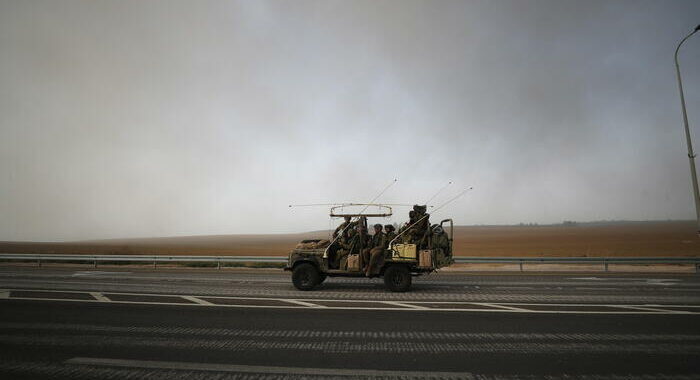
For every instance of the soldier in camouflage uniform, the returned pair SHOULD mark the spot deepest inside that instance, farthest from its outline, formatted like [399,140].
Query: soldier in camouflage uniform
[344,227]
[439,238]
[390,233]
[341,241]
[373,253]
[421,229]
[407,236]
[345,243]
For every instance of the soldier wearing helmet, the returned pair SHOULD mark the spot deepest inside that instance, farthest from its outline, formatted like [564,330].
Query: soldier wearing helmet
[375,251]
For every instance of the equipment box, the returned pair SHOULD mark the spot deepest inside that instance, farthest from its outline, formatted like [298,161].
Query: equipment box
[425,258]
[353,263]
[404,252]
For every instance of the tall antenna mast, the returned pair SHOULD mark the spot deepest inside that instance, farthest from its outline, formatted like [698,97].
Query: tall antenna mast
[438,192]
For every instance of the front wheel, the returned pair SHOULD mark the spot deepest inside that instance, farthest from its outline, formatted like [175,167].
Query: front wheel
[397,278]
[305,276]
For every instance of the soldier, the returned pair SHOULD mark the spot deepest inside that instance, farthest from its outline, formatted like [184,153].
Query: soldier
[407,236]
[373,253]
[440,239]
[360,240]
[344,227]
[390,234]
[344,246]
[421,229]
[341,243]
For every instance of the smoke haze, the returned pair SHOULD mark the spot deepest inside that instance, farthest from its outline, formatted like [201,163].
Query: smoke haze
[159,118]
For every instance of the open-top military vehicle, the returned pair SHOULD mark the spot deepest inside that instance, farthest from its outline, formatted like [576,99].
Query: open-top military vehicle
[418,248]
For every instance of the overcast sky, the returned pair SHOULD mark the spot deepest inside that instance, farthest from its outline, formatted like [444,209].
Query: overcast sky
[160,118]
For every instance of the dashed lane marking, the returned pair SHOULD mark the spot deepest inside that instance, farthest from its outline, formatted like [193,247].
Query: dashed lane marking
[500,306]
[646,308]
[401,304]
[100,297]
[339,304]
[302,303]
[198,301]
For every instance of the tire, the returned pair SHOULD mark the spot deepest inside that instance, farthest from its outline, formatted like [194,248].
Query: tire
[397,278]
[305,276]
[322,278]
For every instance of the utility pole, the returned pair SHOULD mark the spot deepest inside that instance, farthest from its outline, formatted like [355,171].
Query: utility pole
[691,155]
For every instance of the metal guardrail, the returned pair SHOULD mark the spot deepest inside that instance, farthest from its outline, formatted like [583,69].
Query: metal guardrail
[143,258]
[604,261]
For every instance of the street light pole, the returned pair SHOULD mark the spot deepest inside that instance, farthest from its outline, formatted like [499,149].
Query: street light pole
[691,155]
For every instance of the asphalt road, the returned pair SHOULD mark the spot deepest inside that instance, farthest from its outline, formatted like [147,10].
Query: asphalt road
[68,323]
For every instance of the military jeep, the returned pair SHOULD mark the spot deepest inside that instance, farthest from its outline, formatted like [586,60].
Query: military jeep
[312,261]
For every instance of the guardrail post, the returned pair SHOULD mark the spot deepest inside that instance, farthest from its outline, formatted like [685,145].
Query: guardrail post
[154,264]
[697,268]
[521,265]
[218,264]
[605,265]
[94,264]
[38,262]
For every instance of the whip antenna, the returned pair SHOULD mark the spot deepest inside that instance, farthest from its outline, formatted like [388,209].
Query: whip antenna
[315,204]
[453,198]
[426,215]
[325,253]
[379,195]
[438,192]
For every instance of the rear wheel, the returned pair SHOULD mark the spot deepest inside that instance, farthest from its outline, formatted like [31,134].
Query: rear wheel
[305,276]
[397,278]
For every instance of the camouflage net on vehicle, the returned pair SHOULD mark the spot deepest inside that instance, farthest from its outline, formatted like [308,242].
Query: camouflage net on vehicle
[313,244]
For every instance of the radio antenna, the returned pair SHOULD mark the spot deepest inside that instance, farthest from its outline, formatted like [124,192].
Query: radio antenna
[325,253]
[438,192]
[426,215]
[316,204]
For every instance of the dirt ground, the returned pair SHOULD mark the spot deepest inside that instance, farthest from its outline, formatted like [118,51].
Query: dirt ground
[674,238]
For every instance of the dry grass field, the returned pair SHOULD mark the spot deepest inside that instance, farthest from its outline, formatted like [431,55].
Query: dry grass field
[675,238]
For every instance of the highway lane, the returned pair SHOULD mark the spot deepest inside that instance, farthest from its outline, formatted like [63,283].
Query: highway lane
[117,323]
[100,340]
[637,288]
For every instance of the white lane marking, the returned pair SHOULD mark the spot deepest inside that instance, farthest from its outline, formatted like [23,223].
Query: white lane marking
[505,309]
[662,306]
[645,308]
[493,307]
[198,301]
[100,297]
[500,306]
[350,300]
[302,303]
[4,294]
[401,304]
[217,367]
